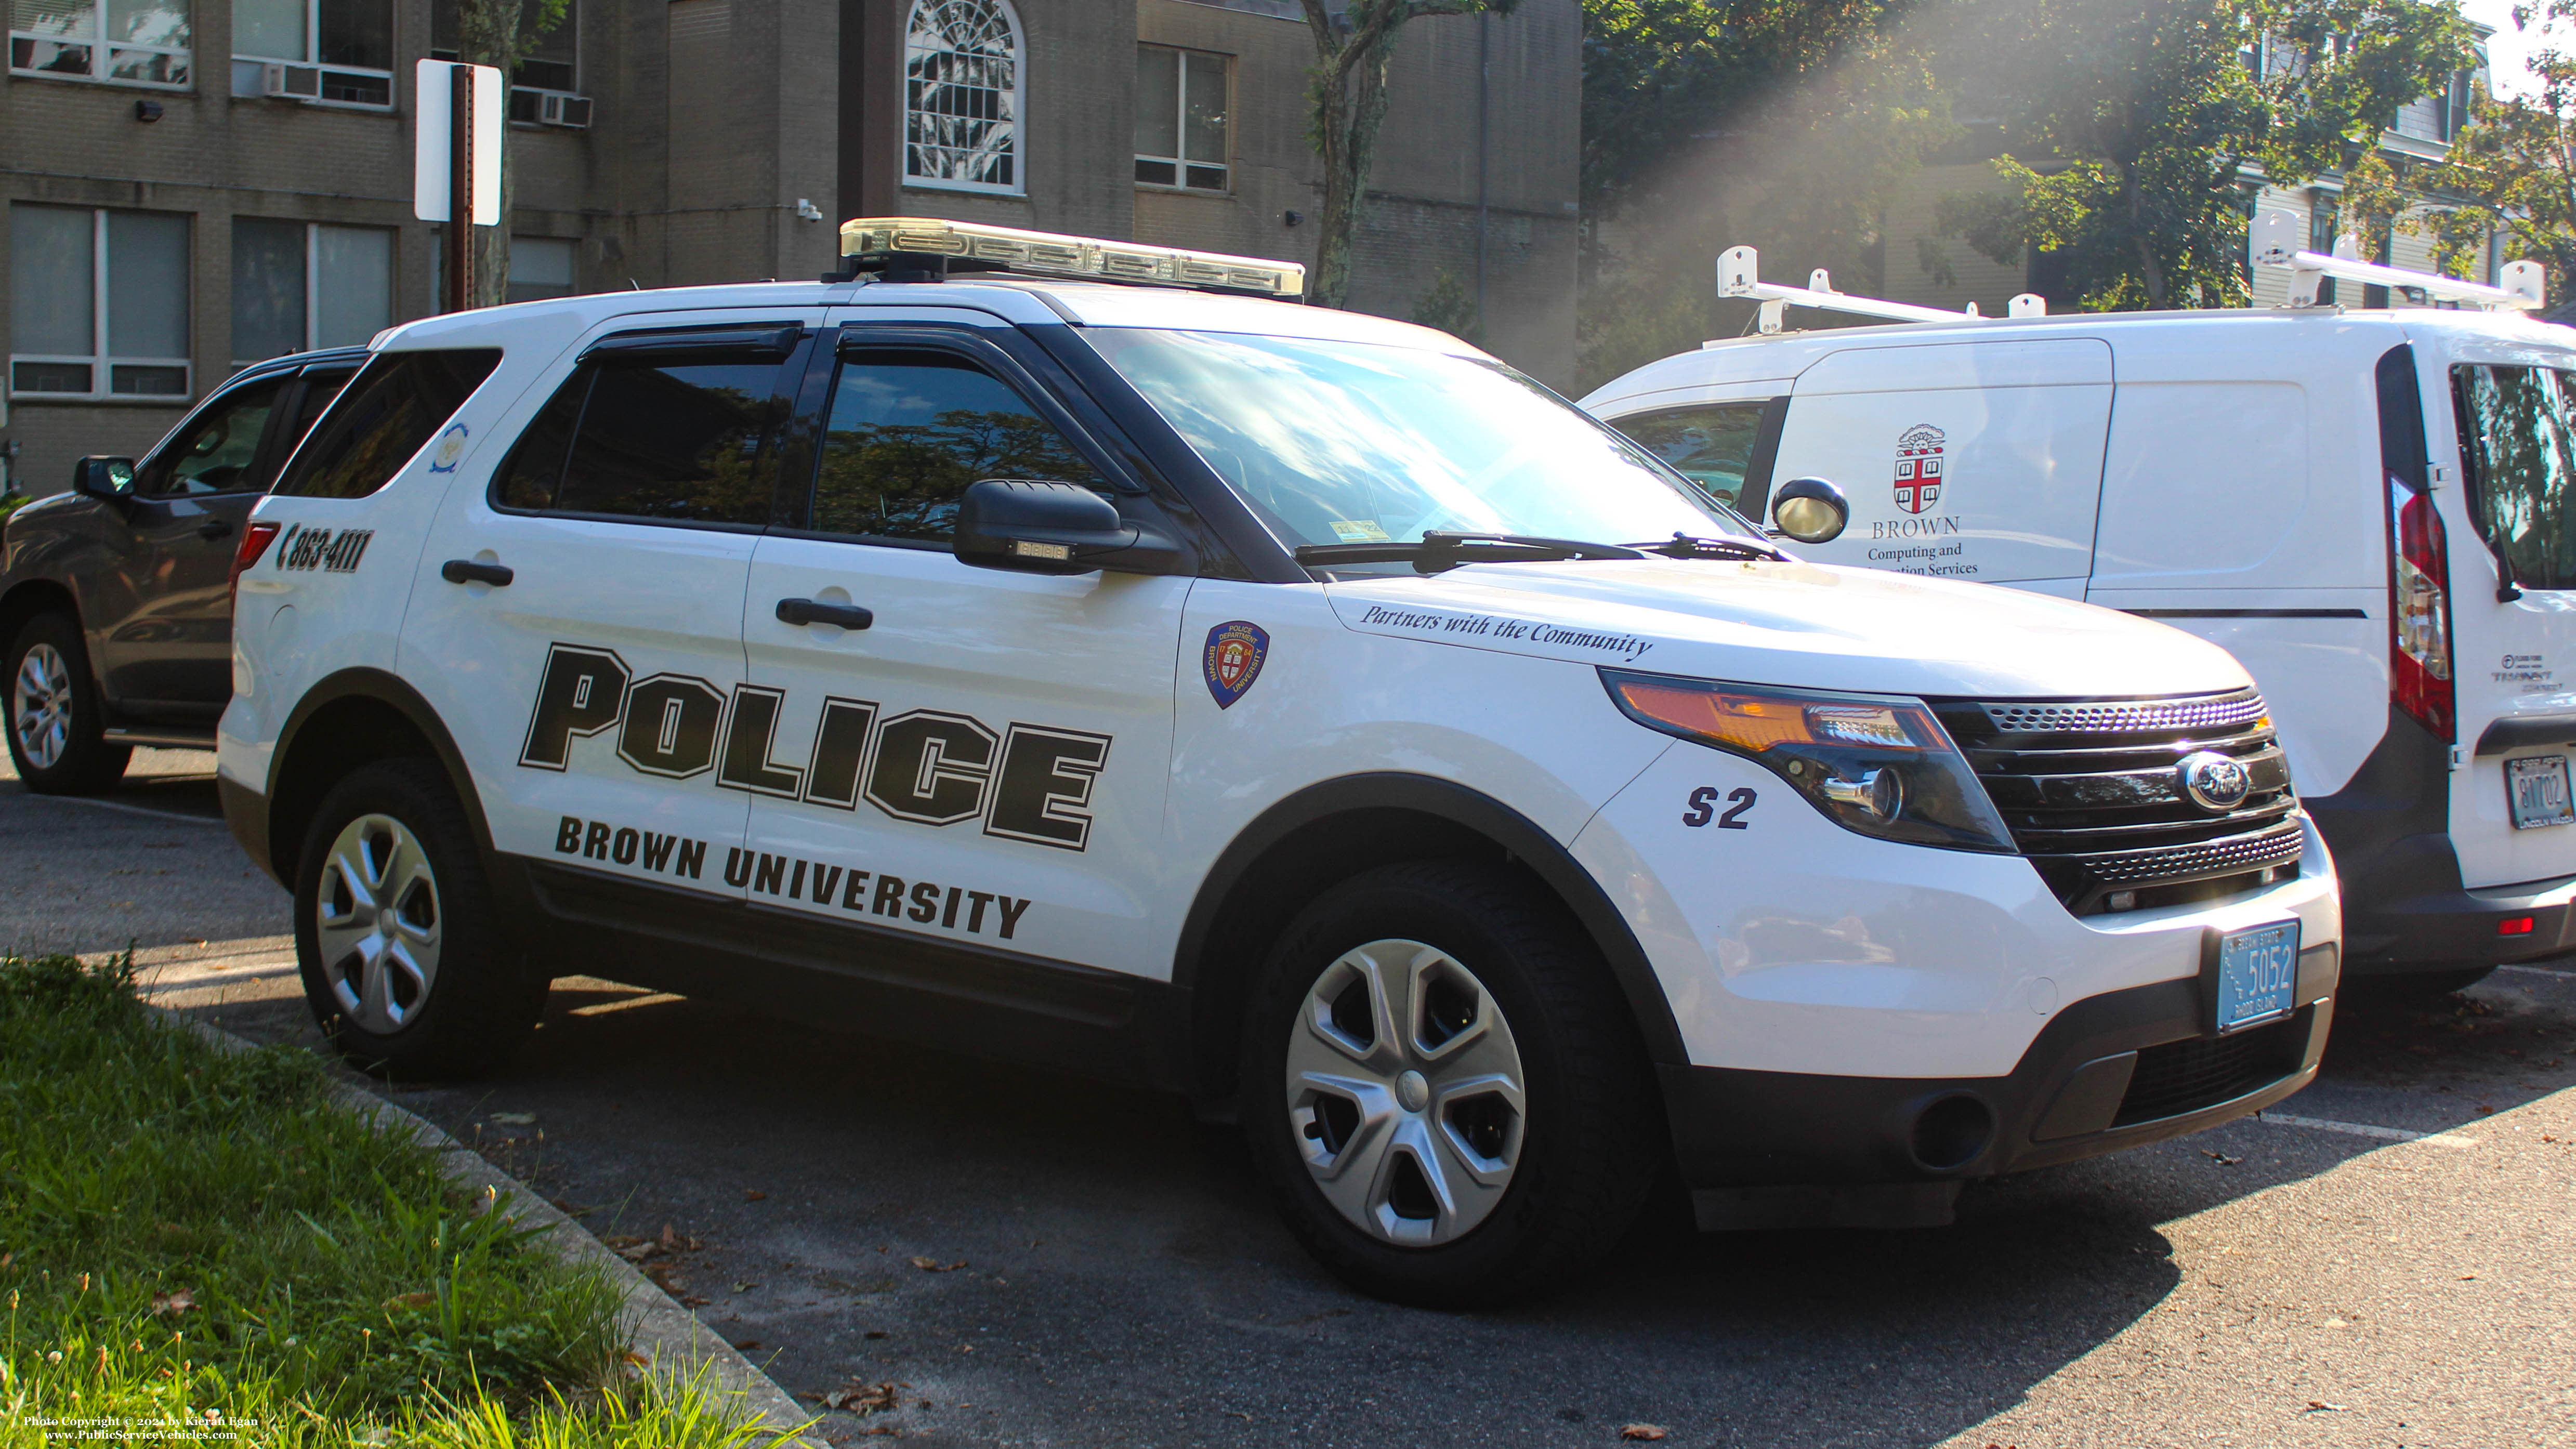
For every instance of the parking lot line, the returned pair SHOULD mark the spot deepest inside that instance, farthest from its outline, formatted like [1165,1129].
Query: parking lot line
[2538,970]
[2365,1129]
[129,809]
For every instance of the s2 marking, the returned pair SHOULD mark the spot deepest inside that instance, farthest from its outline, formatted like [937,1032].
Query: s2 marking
[1703,808]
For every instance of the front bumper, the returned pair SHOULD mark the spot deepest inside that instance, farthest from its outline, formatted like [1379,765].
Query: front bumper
[2114,1071]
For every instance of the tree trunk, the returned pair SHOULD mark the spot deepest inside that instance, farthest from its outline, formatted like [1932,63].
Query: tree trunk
[487,33]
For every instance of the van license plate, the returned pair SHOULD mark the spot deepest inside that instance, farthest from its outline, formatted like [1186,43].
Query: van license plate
[2538,788]
[2258,975]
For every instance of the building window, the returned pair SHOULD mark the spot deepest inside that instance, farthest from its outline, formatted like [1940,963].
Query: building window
[1180,118]
[332,52]
[543,88]
[962,96]
[300,285]
[99,303]
[540,267]
[126,42]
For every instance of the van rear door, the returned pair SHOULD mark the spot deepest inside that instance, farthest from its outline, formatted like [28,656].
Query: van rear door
[2511,411]
[1966,460]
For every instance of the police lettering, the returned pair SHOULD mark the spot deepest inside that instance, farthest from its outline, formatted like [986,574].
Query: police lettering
[1030,783]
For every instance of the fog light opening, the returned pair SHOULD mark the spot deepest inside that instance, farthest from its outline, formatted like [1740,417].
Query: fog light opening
[1952,1133]
[2515,926]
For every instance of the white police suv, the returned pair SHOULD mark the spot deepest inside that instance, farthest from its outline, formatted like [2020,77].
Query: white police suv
[1289,708]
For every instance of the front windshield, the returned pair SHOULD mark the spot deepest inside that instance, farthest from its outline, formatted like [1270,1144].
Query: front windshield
[1348,442]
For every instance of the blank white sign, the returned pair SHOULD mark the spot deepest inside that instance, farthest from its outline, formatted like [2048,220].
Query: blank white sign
[430,142]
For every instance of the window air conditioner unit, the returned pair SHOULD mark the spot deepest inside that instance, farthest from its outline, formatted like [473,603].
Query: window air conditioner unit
[562,110]
[290,82]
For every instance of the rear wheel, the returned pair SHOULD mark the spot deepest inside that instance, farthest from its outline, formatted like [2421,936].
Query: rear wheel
[1444,1089]
[56,728]
[403,965]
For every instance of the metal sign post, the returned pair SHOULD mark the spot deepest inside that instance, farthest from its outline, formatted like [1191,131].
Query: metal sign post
[456,164]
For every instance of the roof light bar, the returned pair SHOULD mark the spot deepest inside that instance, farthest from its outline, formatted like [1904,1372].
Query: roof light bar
[1739,274]
[1002,248]
[2273,241]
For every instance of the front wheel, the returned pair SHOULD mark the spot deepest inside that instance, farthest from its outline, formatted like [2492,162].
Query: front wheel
[402,962]
[1444,1089]
[56,730]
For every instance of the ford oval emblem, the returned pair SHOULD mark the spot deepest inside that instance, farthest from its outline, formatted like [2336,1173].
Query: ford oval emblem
[2214,782]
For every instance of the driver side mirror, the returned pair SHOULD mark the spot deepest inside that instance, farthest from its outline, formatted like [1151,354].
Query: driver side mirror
[1039,526]
[108,478]
[1810,510]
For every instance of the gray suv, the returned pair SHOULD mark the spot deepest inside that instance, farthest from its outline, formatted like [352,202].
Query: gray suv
[116,603]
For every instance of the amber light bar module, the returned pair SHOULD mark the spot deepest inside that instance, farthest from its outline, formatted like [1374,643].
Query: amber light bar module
[1038,253]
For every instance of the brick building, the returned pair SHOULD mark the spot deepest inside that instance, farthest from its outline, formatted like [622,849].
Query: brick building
[196,184]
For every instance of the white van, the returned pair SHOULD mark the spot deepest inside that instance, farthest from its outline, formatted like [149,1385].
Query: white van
[2374,510]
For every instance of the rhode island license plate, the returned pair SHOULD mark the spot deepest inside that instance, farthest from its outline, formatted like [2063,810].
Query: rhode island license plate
[2258,975]
[2538,789]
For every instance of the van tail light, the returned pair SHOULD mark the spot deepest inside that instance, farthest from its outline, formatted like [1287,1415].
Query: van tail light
[255,541]
[2419,655]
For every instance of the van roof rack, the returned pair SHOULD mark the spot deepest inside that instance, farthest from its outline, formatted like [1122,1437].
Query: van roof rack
[2273,241]
[1739,274]
[926,249]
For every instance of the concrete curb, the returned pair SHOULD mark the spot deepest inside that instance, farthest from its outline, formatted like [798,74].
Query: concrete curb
[660,1328]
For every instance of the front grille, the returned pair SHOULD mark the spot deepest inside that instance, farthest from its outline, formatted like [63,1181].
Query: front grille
[2091,794]
[2185,1076]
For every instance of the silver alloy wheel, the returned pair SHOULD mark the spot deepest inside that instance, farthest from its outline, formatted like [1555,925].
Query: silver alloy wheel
[40,706]
[376,921]
[1404,1093]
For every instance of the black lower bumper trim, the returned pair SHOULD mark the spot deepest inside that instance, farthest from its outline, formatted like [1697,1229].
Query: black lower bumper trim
[2112,1071]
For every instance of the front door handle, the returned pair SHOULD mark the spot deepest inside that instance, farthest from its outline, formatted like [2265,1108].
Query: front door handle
[807,611]
[467,571]
[214,528]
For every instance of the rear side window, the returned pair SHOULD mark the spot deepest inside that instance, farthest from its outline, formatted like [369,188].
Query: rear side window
[680,442]
[394,406]
[2518,438]
[1712,445]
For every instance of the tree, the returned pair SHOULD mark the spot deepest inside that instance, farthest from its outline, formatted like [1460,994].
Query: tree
[2515,169]
[1353,48]
[2139,128]
[499,33]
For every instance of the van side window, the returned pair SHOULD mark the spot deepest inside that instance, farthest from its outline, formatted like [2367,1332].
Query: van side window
[1712,445]
[388,412]
[909,432]
[2518,438]
[678,442]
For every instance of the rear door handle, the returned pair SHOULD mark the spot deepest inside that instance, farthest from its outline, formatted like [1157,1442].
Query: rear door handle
[806,611]
[467,571]
[214,528]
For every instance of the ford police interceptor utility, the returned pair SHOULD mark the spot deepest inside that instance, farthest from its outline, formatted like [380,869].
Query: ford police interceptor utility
[1298,710]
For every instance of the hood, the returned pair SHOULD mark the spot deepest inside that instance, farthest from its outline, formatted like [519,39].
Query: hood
[1793,624]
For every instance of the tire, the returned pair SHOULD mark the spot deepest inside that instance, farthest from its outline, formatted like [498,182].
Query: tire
[1533,1184]
[55,721]
[395,935]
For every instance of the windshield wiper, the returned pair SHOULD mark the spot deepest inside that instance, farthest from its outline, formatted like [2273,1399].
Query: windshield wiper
[1438,552]
[1683,545]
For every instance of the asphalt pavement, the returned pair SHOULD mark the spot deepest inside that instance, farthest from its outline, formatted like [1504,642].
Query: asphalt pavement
[1008,1256]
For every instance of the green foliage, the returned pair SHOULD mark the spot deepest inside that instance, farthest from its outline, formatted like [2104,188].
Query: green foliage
[2515,169]
[11,501]
[2134,125]
[1449,306]
[189,1234]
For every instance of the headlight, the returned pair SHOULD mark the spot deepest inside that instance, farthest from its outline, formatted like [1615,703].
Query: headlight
[1881,765]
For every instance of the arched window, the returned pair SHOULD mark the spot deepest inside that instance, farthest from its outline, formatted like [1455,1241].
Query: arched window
[961,116]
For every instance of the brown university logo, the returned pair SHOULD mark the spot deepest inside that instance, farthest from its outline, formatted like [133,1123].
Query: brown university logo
[1918,468]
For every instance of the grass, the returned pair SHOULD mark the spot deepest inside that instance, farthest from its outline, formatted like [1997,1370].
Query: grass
[205,1244]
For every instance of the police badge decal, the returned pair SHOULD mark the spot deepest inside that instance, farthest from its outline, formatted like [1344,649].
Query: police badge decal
[1918,467]
[1232,660]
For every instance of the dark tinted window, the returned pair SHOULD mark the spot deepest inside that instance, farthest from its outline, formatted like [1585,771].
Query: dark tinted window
[394,406]
[319,388]
[1712,446]
[909,432]
[679,442]
[217,452]
[2518,436]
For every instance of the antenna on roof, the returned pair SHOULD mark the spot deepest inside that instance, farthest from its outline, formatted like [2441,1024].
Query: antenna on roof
[1739,274]
[2273,241]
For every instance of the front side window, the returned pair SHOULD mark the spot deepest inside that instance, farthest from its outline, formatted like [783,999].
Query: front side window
[338,52]
[1180,118]
[910,432]
[2518,437]
[1710,445]
[218,448]
[99,302]
[1347,442]
[386,414]
[675,443]
[301,285]
[961,108]
[127,42]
